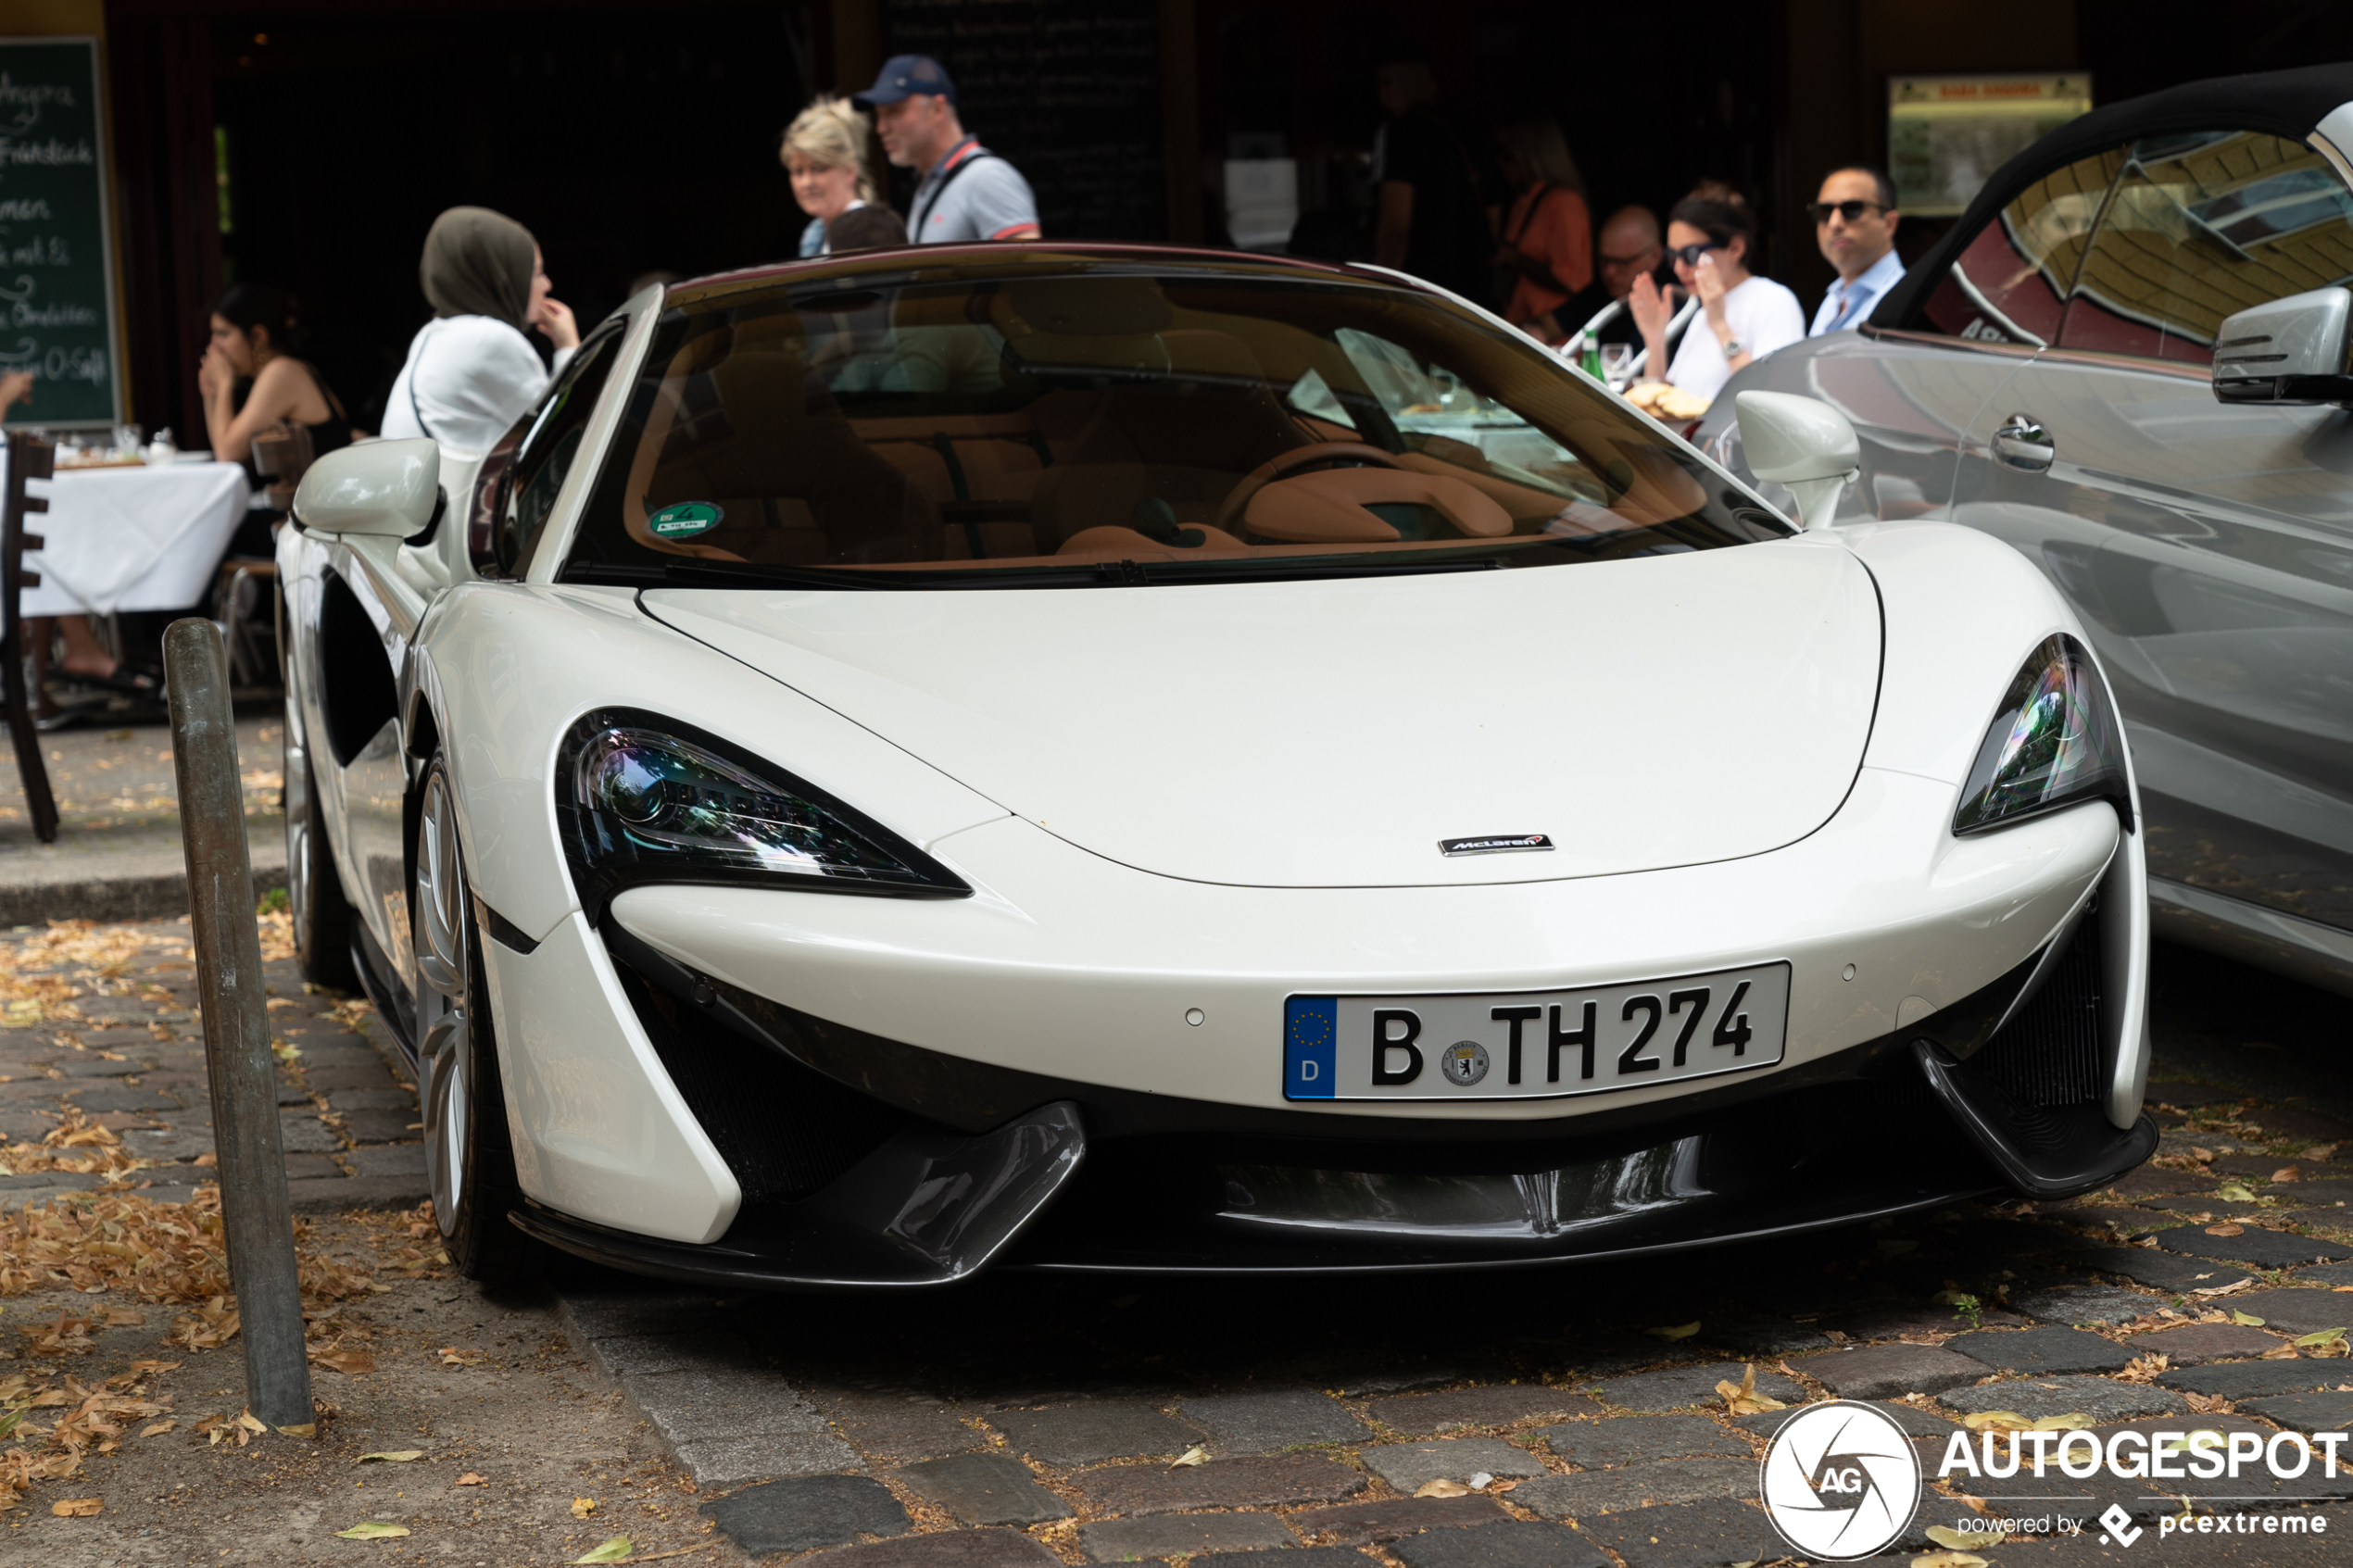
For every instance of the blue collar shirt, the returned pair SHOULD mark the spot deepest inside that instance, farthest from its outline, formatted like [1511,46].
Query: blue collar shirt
[1848,304]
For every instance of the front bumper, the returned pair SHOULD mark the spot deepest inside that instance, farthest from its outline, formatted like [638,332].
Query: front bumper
[2003,1089]
[782,1039]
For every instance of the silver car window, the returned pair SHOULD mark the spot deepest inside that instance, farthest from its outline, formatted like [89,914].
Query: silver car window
[2203,225]
[2013,282]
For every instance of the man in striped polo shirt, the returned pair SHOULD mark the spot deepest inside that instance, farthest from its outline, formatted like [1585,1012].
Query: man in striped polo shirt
[967,192]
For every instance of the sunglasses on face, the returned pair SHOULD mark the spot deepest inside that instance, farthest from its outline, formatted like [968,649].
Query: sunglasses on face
[1688,255]
[1851,210]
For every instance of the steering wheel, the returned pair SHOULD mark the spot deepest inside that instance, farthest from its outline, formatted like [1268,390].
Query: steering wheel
[1230,510]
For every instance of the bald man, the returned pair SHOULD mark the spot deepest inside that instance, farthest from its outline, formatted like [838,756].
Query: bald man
[1627,246]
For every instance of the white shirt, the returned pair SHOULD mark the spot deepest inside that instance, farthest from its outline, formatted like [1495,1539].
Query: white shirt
[1762,315]
[1848,304]
[469,378]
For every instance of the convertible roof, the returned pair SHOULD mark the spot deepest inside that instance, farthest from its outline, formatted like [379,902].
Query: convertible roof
[2285,103]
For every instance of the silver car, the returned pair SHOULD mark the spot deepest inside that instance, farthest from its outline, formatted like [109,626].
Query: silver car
[2129,361]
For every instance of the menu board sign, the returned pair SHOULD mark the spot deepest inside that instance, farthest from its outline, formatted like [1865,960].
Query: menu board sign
[56,267]
[1947,134]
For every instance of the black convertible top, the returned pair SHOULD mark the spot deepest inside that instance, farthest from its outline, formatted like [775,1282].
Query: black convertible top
[2285,103]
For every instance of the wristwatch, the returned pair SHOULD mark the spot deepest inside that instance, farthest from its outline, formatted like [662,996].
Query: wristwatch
[1732,349]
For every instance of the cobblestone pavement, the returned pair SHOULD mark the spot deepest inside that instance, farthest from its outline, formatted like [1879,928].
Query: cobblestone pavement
[127,1054]
[1566,1418]
[118,852]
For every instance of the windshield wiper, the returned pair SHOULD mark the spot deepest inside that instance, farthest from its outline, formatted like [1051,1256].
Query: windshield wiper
[1094,574]
[1298,571]
[740,574]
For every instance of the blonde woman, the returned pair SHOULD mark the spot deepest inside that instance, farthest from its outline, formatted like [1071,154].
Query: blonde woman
[825,151]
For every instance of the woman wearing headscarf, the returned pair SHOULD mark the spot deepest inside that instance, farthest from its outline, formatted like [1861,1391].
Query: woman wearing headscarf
[471,372]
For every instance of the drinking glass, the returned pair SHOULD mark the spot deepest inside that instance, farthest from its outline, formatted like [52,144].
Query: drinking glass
[1617,361]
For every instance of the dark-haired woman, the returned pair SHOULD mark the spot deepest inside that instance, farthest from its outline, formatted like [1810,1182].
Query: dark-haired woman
[1744,316]
[251,336]
[471,372]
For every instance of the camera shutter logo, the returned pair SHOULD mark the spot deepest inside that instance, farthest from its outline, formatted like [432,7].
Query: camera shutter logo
[1840,1481]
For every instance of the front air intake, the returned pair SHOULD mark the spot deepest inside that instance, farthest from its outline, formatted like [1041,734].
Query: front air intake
[2049,1054]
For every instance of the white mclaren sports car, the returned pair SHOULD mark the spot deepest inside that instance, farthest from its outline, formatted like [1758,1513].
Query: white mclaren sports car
[1128,759]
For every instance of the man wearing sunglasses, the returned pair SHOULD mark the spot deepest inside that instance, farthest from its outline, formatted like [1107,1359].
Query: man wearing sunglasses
[1855,223]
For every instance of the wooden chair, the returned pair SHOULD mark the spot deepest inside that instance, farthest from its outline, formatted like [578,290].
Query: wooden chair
[29,458]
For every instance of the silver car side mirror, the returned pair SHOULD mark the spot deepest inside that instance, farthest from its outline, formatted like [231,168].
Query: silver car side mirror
[2292,350]
[1802,443]
[380,489]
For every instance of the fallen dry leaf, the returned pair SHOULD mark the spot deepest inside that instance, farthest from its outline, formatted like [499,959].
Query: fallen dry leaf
[2235,1192]
[2246,1320]
[372,1530]
[159,1428]
[583,1507]
[2226,1228]
[2326,1336]
[2279,1353]
[2287,1173]
[76,1508]
[1441,1489]
[393,1456]
[452,1356]
[124,1317]
[614,1551]
[1681,1331]
[1742,1398]
[471,1479]
[1945,1536]
[351,1363]
[1194,1455]
[2202,1155]
[1952,1560]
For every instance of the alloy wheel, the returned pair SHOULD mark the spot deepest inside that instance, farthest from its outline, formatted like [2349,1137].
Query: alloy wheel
[445,1045]
[296,770]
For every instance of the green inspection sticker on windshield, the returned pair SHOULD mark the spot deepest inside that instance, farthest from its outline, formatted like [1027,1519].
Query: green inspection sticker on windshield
[686,519]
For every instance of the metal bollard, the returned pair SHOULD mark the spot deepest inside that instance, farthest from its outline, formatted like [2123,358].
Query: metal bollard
[236,1028]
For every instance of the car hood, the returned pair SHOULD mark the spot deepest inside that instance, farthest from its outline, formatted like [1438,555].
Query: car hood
[1645,713]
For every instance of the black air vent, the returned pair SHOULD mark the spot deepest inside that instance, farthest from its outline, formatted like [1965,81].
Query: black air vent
[783,1130]
[2050,1053]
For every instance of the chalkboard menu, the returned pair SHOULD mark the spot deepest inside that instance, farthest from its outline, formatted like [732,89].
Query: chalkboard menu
[1069,90]
[56,272]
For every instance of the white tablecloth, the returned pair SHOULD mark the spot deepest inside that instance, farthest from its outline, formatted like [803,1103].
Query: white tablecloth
[135,538]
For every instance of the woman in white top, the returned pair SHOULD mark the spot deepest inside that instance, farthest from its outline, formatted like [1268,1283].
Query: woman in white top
[826,150]
[471,372]
[1744,318]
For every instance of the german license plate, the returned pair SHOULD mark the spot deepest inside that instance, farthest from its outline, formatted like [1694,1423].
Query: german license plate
[1535,1045]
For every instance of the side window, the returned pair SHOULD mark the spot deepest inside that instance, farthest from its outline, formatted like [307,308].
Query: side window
[2011,283]
[551,442]
[2203,224]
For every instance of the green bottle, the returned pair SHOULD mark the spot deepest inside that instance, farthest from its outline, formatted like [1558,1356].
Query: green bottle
[1588,356]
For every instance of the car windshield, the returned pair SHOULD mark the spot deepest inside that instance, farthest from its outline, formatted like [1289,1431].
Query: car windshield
[1086,424]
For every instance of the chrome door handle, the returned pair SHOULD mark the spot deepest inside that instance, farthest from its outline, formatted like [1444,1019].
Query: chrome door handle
[2023,443]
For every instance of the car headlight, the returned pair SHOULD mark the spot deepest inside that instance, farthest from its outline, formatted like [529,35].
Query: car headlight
[2055,742]
[640,798]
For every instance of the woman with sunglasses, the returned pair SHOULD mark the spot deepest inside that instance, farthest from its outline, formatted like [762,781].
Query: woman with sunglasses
[1744,318]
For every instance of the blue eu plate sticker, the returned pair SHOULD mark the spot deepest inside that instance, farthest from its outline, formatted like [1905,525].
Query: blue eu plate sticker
[686,519]
[1310,1031]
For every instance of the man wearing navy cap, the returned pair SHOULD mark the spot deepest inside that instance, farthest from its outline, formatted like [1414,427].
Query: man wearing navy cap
[968,193]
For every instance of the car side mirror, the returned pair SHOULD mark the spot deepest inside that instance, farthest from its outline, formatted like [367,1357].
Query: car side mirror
[1802,443]
[378,489]
[2292,350]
